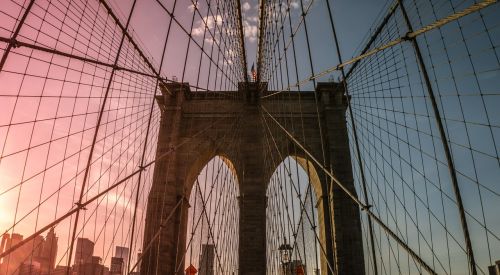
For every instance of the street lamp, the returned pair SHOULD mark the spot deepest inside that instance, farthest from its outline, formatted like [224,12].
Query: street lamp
[285,252]
[286,255]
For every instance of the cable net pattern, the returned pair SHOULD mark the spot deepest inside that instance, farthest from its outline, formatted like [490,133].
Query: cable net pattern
[79,122]
[401,147]
[79,127]
[421,116]
[213,220]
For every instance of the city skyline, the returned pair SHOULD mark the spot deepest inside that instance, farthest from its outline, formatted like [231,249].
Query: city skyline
[39,257]
[39,254]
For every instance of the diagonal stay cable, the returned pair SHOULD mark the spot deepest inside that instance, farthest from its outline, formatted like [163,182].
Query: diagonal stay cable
[410,35]
[363,207]
[90,60]
[95,136]
[146,138]
[295,188]
[62,186]
[83,204]
[242,41]
[162,225]
[208,197]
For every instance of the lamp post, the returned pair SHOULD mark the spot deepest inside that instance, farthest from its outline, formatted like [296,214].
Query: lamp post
[285,254]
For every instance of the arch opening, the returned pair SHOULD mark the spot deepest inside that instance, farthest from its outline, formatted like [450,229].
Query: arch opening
[213,219]
[293,219]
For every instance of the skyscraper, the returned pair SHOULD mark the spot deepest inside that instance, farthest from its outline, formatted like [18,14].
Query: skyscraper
[35,256]
[92,266]
[14,259]
[5,237]
[49,251]
[14,239]
[3,246]
[36,248]
[29,268]
[116,266]
[84,251]
[207,259]
[122,252]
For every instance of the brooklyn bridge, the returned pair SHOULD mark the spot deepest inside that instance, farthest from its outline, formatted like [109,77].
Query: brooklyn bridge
[249,137]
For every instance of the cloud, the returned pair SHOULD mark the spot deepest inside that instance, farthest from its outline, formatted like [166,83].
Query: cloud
[198,31]
[250,31]
[210,22]
[246,6]
[194,7]
[210,40]
[252,18]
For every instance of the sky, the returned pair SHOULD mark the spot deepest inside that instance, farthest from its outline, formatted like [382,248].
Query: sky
[49,104]
[354,20]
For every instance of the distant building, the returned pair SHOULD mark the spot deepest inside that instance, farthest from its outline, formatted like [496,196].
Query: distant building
[122,252]
[26,259]
[84,251]
[14,259]
[494,269]
[33,257]
[117,267]
[85,261]
[49,252]
[60,270]
[37,246]
[3,246]
[105,270]
[92,267]
[207,259]
[15,239]
[5,237]
[30,268]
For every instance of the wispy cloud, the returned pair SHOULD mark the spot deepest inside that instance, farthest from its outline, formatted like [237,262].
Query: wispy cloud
[208,22]
[194,7]
[250,30]
[246,6]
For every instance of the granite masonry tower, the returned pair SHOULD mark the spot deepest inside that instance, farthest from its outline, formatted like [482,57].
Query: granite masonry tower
[185,113]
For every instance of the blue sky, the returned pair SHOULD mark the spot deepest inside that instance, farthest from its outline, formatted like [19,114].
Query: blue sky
[353,20]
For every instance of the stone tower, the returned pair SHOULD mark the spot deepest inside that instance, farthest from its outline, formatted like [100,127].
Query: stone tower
[185,114]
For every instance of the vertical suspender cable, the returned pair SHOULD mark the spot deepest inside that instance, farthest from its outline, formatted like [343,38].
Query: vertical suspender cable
[13,42]
[94,140]
[134,217]
[356,140]
[444,140]
[242,40]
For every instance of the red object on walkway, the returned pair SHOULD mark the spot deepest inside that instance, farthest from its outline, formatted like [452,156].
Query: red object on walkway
[191,270]
[300,270]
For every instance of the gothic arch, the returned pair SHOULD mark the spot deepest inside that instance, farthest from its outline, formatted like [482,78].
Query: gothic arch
[204,157]
[319,189]
[246,156]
